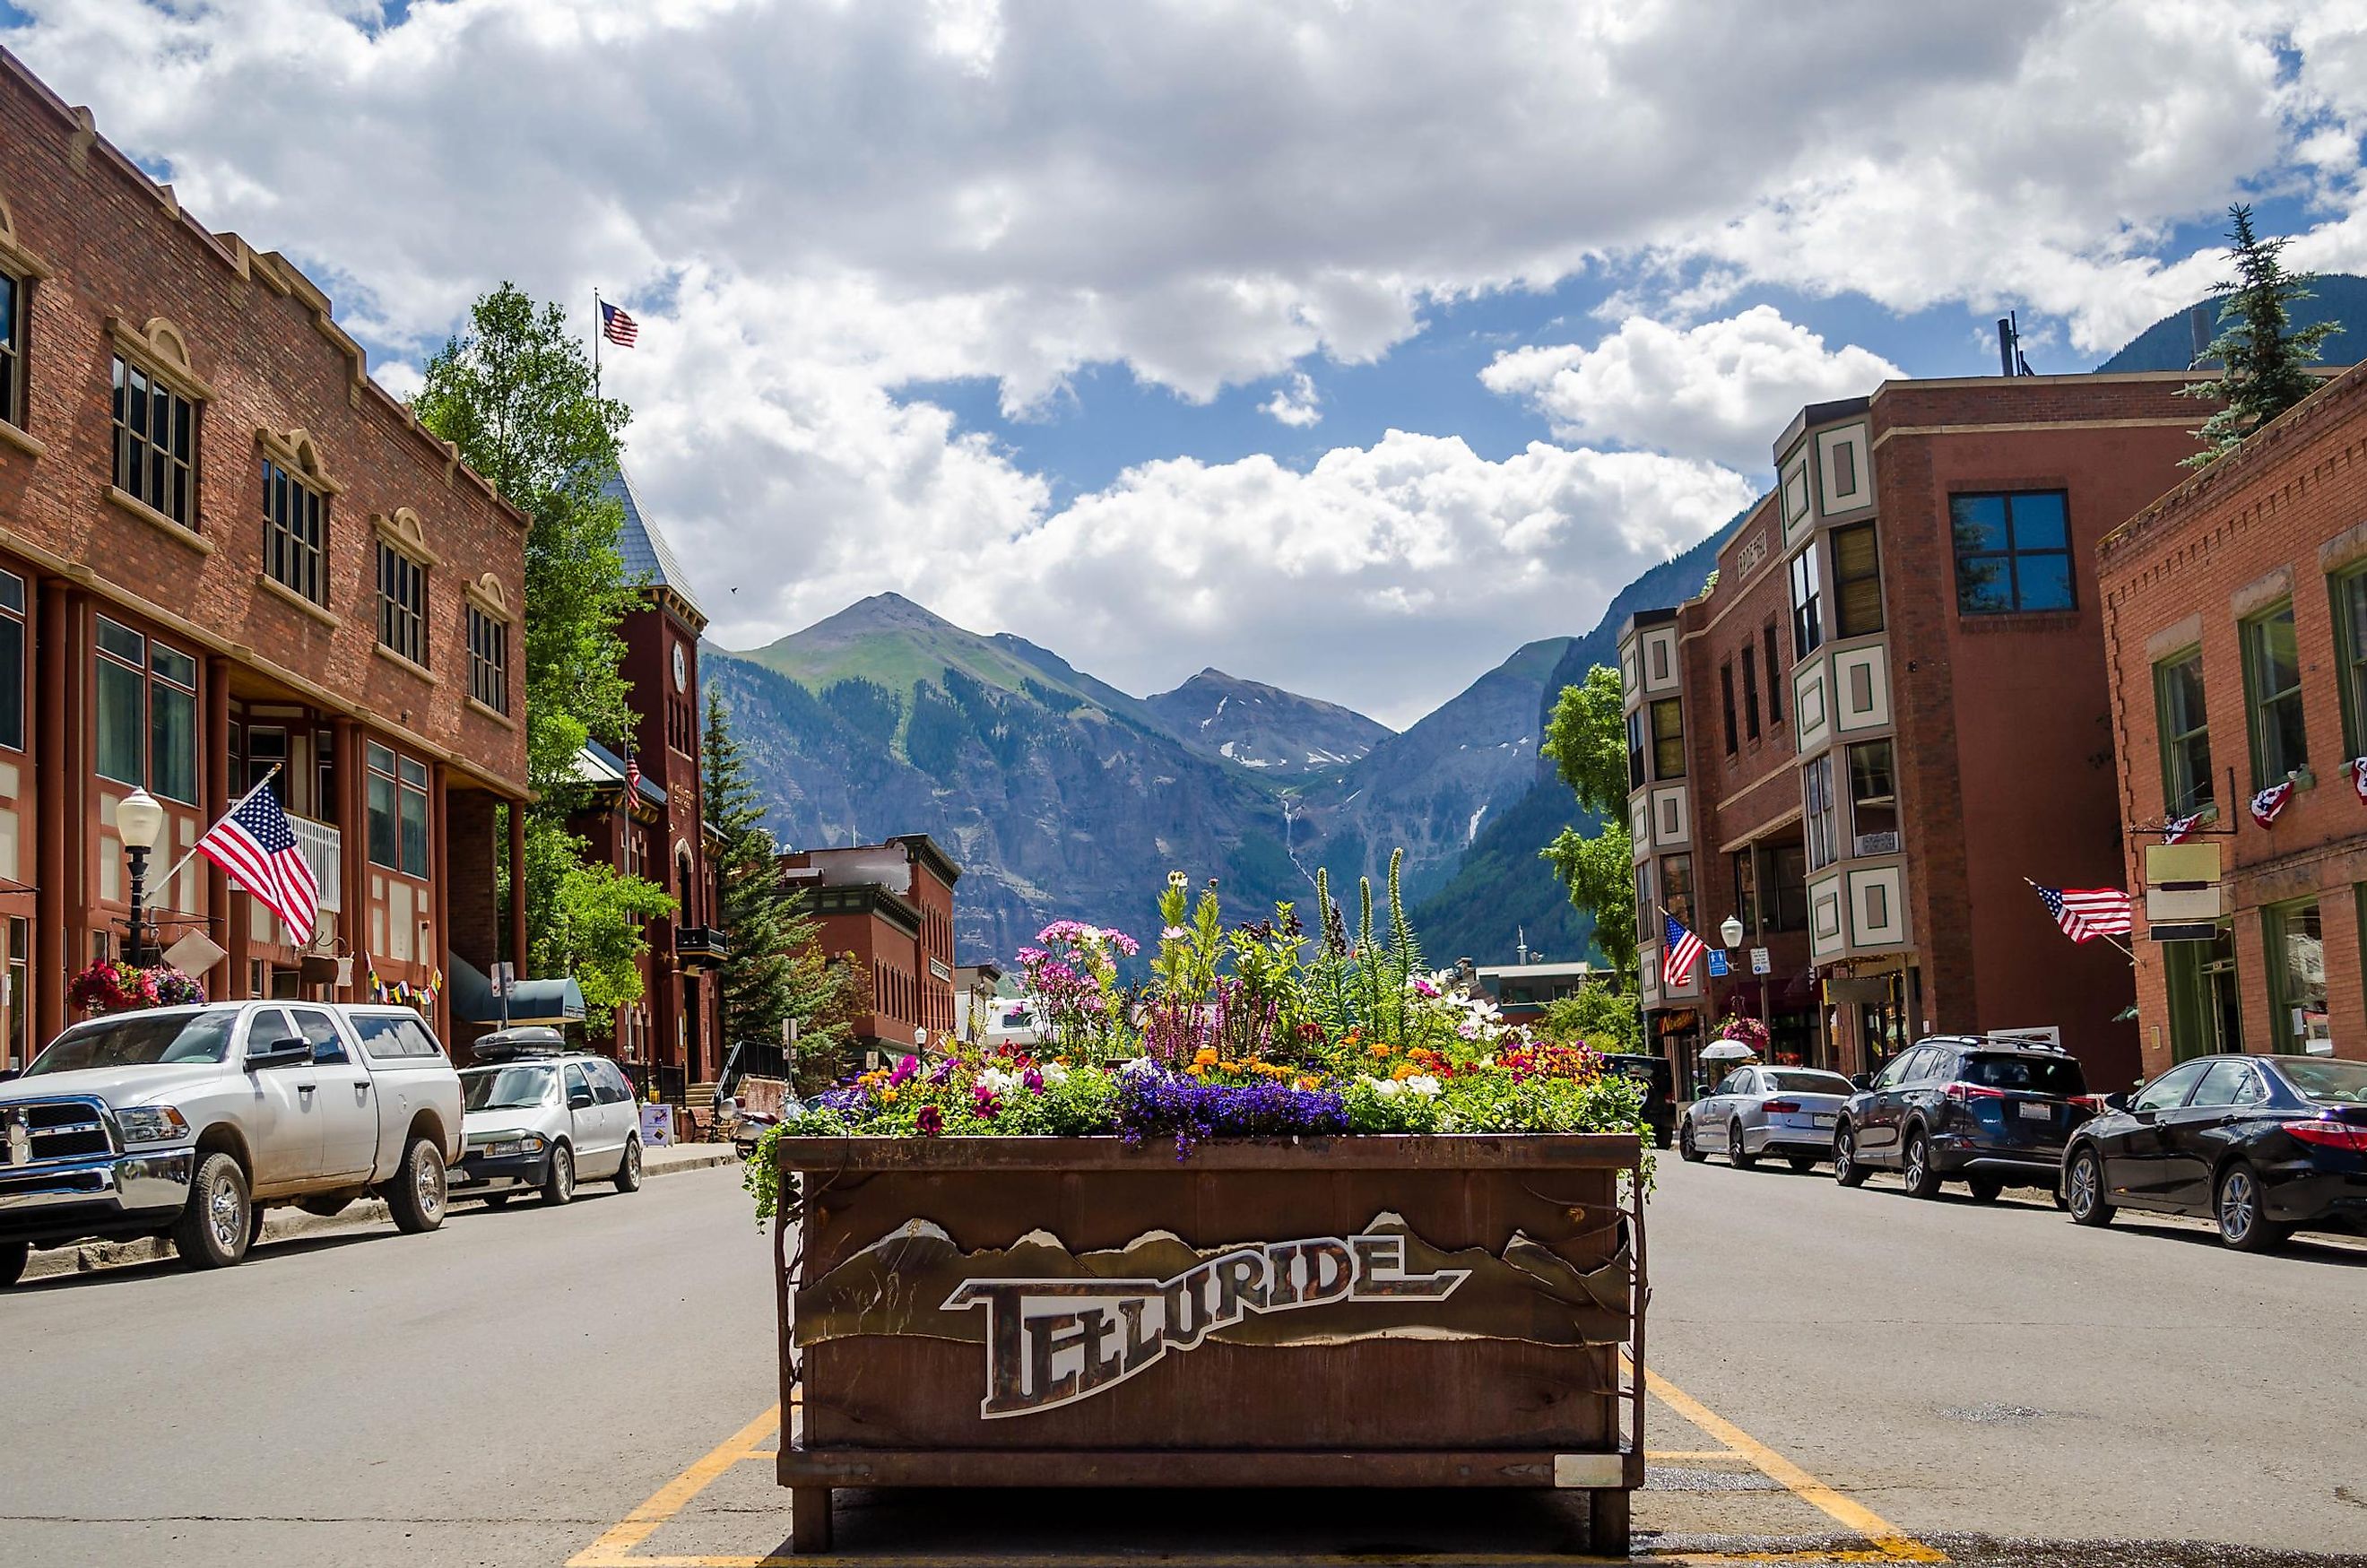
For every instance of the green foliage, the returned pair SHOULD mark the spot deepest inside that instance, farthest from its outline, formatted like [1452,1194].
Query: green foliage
[1601,1015]
[871,710]
[594,929]
[1586,737]
[1600,872]
[2266,357]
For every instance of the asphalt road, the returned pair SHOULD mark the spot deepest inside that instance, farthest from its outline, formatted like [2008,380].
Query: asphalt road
[1992,1383]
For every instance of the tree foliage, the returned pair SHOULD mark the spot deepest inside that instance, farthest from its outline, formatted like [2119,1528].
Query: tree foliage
[2266,358]
[1586,737]
[1601,1014]
[1599,872]
[514,393]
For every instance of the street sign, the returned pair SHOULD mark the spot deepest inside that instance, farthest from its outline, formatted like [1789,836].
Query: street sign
[195,954]
[2182,891]
[1760,962]
[1719,966]
[504,977]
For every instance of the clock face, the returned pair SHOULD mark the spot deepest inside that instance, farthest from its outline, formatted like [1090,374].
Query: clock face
[681,670]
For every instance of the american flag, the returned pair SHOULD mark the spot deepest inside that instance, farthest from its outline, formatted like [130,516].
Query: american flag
[632,778]
[2085,912]
[1685,949]
[2178,829]
[257,848]
[617,327]
[2270,804]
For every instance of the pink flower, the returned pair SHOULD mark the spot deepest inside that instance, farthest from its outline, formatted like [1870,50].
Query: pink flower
[1173,933]
[1034,1080]
[904,1070]
[933,1121]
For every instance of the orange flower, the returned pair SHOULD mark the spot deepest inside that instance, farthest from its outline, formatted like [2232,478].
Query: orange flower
[1310,1083]
[887,1097]
[1205,1057]
[1378,1048]
[1198,1069]
[1404,1070]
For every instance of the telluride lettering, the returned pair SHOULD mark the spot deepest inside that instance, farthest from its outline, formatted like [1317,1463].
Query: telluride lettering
[1052,1342]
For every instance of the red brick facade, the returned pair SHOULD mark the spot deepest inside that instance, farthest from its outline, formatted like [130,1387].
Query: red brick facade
[891,905]
[243,670]
[1928,758]
[2262,551]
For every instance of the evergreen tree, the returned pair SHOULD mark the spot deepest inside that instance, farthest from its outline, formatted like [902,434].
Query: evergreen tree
[2266,358]
[515,394]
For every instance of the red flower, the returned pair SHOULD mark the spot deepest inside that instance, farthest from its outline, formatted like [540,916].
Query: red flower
[933,1121]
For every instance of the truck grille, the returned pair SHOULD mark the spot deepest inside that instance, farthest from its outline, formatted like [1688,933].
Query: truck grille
[52,1129]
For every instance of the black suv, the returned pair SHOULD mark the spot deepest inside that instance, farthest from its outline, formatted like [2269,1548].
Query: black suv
[1653,1073]
[1990,1113]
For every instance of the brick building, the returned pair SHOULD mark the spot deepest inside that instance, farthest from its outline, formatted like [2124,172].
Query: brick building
[1891,709]
[672,1035]
[2236,631]
[891,906]
[225,550]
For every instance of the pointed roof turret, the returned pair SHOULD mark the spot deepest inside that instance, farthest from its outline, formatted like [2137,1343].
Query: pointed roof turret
[648,559]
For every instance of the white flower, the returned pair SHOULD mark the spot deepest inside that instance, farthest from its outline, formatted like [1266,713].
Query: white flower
[994,1080]
[1387,1088]
[1424,1085]
[1054,1074]
[1137,1065]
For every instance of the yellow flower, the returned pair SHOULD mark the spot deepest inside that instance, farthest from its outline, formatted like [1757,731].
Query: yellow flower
[888,1096]
[1378,1048]
[1403,1071]
[1198,1069]
[1310,1083]
[1205,1057]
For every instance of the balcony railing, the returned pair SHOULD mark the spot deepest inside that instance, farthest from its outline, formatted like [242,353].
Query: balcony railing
[323,847]
[700,947]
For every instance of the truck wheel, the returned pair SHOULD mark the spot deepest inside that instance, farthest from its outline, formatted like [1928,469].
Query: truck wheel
[416,1196]
[12,1261]
[629,1170]
[559,1184]
[212,1230]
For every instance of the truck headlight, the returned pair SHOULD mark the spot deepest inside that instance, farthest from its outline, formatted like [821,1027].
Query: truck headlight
[151,1124]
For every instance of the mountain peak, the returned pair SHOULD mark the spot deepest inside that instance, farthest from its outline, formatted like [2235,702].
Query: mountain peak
[1254,725]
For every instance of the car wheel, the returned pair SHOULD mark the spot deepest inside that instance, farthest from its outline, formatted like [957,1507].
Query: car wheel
[2243,1224]
[1685,1145]
[1985,1189]
[416,1197]
[1922,1177]
[12,1255]
[1736,1155]
[629,1170]
[213,1229]
[1662,1137]
[1846,1169]
[1803,1163]
[2083,1189]
[559,1182]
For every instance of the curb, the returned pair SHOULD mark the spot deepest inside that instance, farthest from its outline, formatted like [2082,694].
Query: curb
[284,1223]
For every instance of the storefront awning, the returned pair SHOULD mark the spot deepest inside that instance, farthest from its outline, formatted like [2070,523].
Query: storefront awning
[554,1002]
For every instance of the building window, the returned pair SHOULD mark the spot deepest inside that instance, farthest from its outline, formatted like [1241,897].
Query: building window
[2186,783]
[292,513]
[2013,552]
[1873,800]
[2296,952]
[155,442]
[489,660]
[12,349]
[1677,887]
[2272,682]
[1636,749]
[1774,679]
[1726,684]
[147,701]
[1816,812]
[1857,582]
[1746,888]
[1786,888]
[1669,739]
[1647,912]
[2351,628]
[264,763]
[12,661]
[398,811]
[1751,692]
[401,604]
[1808,604]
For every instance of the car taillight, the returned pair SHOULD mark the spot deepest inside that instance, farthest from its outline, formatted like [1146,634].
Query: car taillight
[2092,1102]
[2330,1134]
[1963,1093]
[1785,1106]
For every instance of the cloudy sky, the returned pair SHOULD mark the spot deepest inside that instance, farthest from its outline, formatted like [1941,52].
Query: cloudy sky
[1342,344]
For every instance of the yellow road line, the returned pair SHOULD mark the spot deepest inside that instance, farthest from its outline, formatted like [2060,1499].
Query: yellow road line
[615,1545]
[1887,1539]
[1661,1456]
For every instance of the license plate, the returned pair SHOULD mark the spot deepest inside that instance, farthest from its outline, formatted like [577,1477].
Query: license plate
[2032,1111]
[1821,1121]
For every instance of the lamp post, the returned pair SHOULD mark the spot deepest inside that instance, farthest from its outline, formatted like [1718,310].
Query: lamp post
[1731,930]
[139,822]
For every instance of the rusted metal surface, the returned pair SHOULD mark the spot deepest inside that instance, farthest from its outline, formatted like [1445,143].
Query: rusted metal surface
[1380,1311]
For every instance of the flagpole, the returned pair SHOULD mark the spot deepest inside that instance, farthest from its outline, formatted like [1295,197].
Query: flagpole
[595,345]
[186,855]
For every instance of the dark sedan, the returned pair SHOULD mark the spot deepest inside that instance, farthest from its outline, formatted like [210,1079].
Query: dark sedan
[2265,1145]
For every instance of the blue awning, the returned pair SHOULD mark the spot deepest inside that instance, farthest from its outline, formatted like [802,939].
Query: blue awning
[554,1002]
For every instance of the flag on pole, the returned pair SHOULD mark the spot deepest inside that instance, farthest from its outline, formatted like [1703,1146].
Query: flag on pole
[2270,804]
[632,778]
[257,848]
[2358,766]
[617,327]
[1685,949]
[2178,829]
[2085,912]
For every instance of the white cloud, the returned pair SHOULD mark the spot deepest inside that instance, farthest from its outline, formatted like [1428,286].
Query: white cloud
[1720,390]
[1295,405]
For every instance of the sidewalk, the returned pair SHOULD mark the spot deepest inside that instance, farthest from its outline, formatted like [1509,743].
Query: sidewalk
[280,1224]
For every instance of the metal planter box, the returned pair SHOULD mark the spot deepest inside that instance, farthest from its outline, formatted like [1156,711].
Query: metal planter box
[1430,1311]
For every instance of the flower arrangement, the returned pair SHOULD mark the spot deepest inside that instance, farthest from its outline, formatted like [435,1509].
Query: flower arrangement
[108,986]
[1750,1032]
[1258,1030]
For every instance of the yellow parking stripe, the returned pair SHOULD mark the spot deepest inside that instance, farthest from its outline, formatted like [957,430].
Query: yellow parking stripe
[616,1547]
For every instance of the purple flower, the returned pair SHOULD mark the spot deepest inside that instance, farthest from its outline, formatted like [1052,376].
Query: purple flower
[942,1071]
[1034,1080]
[983,1104]
[1173,933]
[1167,1105]
[933,1121]
[904,1071]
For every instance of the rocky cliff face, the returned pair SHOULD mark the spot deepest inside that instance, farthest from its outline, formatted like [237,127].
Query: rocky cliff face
[1277,733]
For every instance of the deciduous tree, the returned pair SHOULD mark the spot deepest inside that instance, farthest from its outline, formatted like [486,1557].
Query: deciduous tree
[1586,741]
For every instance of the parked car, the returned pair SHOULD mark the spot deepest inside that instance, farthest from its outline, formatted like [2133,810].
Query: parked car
[1990,1113]
[1660,1106]
[2264,1146]
[543,1119]
[189,1122]
[1789,1111]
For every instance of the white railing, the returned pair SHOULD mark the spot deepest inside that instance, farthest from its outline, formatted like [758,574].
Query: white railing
[323,847]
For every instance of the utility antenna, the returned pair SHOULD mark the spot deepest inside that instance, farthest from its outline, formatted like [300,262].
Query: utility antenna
[2011,359]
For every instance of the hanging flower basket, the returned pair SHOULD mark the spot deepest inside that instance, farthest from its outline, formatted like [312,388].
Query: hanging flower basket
[108,987]
[1747,1032]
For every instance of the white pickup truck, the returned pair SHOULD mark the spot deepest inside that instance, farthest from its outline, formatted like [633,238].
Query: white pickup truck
[189,1122]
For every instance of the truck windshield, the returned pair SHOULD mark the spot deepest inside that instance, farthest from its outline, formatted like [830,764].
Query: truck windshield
[138,1039]
[507,1089]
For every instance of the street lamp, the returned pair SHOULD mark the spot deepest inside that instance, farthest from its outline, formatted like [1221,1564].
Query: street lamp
[139,822]
[1731,930]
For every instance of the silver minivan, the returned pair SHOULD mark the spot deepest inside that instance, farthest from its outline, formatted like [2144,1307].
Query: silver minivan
[540,1121]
